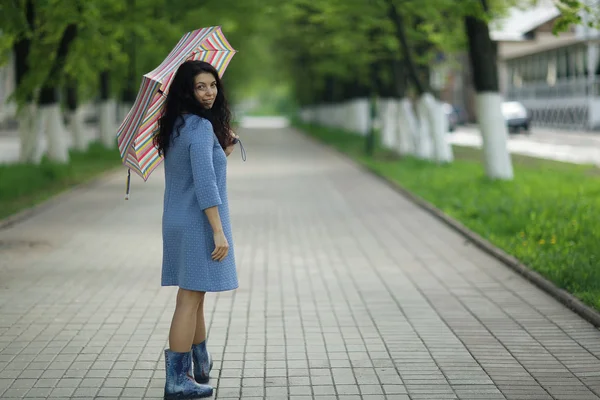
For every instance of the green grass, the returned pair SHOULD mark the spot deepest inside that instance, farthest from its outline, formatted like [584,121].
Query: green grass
[25,185]
[264,112]
[548,217]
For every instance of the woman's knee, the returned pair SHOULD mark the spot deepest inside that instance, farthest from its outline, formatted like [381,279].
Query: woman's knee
[189,298]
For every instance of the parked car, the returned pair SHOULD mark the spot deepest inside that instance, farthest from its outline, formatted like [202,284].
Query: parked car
[516,116]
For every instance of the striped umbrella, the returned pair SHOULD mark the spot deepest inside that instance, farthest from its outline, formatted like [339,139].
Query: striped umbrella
[136,132]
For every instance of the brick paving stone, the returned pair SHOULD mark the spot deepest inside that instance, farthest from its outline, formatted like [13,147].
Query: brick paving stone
[347,291]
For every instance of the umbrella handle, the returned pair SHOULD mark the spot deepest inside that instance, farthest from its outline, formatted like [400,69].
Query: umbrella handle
[128,184]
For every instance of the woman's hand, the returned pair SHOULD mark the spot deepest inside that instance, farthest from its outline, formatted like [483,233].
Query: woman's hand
[229,149]
[221,246]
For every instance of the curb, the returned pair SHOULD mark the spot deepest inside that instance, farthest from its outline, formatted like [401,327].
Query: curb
[27,213]
[567,299]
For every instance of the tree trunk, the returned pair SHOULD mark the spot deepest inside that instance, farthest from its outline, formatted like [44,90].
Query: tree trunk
[338,106]
[27,116]
[108,113]
[327,102]
[387,103]
[436,124]
[52,125]
[50,112]
[129,93]
[438,127]
[424,145]
[405,128]
[22,48]
[409,62]
[482,55]
[77,129]
[355,107]
[431,141]
[388,112]
[408,128]
[374,93]
[371,138]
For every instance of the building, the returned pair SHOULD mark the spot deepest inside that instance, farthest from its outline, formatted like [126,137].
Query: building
[556,77]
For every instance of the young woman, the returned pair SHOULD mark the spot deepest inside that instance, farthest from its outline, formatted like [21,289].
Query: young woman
[194,137]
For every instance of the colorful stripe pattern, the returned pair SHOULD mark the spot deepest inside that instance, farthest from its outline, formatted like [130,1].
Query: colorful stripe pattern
[135,134]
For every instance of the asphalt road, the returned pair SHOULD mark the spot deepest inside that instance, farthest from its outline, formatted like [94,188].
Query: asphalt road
[568,146]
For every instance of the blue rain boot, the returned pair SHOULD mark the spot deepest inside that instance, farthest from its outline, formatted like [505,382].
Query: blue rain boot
[202,362]
[179,381]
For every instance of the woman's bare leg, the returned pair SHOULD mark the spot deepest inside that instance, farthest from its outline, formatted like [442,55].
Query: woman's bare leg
[183,325]
[200,335]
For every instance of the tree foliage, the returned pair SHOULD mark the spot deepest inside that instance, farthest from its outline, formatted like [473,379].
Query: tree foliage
[118,37]
[576,12]
[330,48]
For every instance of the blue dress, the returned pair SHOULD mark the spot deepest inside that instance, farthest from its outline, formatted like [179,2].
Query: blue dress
[195,179]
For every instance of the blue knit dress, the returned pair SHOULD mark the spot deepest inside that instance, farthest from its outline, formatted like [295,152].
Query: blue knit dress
[195,179]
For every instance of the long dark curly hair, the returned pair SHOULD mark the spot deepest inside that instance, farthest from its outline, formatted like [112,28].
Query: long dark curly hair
[181,99]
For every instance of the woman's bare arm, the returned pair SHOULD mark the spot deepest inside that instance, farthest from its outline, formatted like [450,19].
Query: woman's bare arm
[221,245]
[214,219]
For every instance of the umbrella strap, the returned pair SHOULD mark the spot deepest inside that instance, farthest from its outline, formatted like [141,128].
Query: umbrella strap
[243,151]
[128,184]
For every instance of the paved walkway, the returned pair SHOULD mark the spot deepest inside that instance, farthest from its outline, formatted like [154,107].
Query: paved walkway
[348,291]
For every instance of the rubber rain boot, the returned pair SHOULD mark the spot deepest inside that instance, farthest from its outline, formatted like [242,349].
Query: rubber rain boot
[180,383]
[203,362]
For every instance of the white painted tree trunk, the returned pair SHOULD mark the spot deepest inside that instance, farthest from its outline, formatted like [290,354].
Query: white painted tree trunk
[346,123]
[322,114]
[494,134]
[406,128]
[309,115]
[360,109]
[349,112]
[29,121]
[79,137]
[424,145]
[52,123]
[379,122]
[313,114]
[330,115]
[317,115]
[108,123]
[389,118]
[339,115]
[438,127]
[303,114]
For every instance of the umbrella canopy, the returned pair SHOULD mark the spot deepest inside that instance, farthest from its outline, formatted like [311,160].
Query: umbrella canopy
[134,136]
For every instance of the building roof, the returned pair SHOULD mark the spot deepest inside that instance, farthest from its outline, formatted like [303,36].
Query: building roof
[515,26]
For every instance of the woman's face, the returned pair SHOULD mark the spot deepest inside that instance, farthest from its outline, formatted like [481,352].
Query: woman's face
[205,89]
